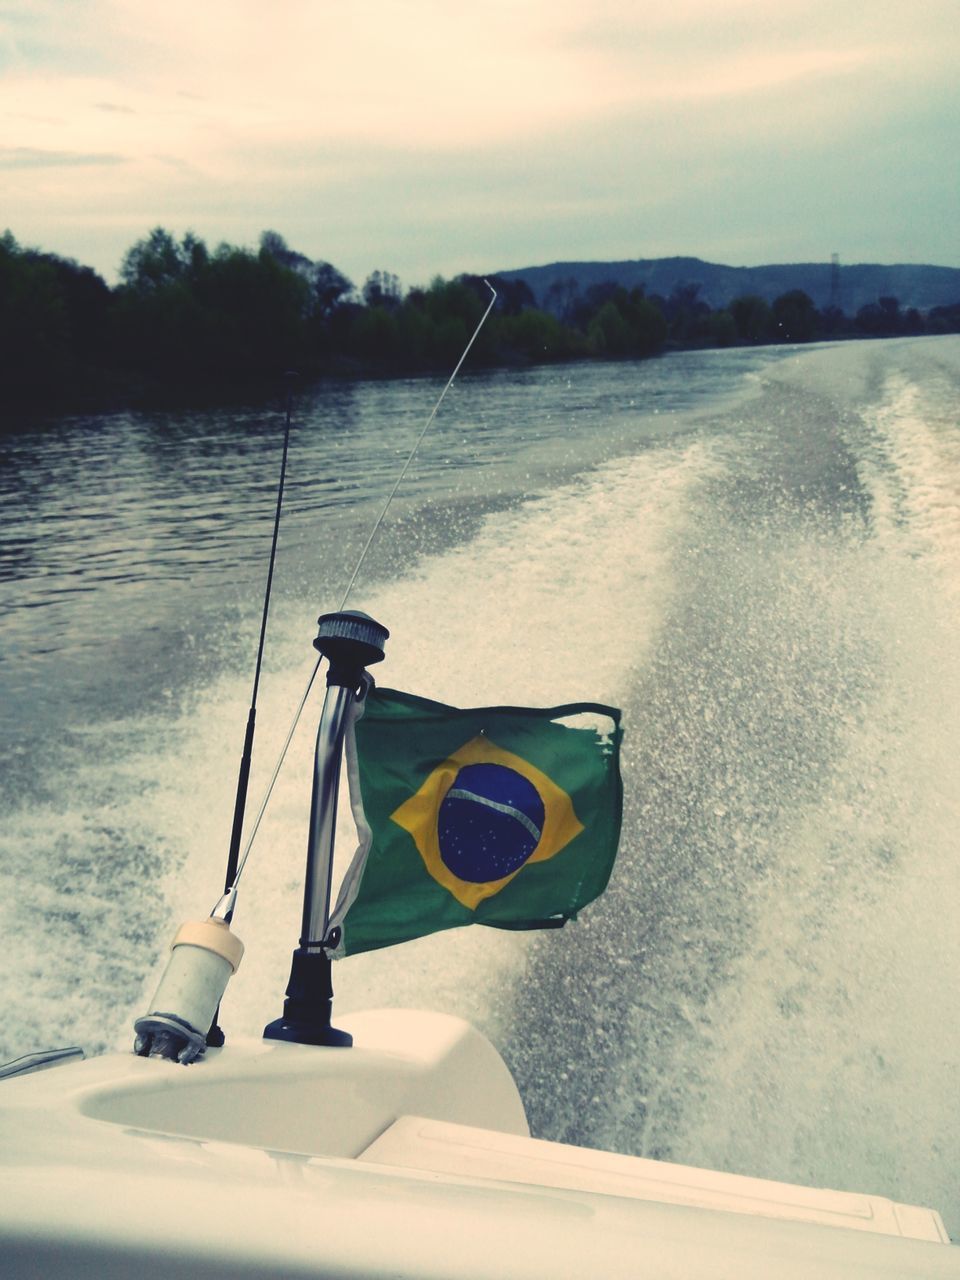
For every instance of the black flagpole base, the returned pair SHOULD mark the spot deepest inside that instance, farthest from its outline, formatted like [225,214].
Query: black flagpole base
[309,1004]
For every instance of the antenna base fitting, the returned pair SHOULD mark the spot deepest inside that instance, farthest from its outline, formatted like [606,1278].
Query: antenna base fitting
[350,641]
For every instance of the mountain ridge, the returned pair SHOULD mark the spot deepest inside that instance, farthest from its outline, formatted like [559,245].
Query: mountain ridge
[918,285]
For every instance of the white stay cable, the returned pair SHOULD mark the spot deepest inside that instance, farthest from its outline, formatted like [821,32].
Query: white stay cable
[419,440]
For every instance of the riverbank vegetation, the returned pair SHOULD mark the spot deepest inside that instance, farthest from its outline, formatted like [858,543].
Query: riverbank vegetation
[186,321]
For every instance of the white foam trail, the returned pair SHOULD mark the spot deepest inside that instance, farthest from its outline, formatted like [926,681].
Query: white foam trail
[918,493]
[555,601]
[829,1055]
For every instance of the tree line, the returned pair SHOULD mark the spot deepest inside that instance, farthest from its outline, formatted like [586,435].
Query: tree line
[185,319]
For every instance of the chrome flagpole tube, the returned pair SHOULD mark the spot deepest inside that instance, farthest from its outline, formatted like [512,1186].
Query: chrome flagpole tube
[323,814]
[350,641]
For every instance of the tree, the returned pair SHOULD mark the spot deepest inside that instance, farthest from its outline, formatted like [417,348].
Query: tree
[625,324]
[382,289]
[187,315]
[327,285]
[609,334]
[720,328]
[87,304]
[275,246]
[884,318]
[330,287]
[753,318]
[537,335]
[513,296]
[583,307]
[648,326]
[253,309]
[194,255]
[684,312]
[34,326]
[157,261]
[833,321]
[795,316]
[562,298]
[944,319]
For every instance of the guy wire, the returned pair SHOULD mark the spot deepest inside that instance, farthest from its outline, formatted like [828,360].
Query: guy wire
[353,578]
[410,457]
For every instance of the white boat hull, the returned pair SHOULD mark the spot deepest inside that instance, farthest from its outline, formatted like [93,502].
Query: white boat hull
[407,1155]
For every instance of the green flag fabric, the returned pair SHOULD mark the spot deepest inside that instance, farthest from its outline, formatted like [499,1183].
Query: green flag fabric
[504,816]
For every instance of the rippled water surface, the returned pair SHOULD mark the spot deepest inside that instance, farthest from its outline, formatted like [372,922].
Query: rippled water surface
[756,554]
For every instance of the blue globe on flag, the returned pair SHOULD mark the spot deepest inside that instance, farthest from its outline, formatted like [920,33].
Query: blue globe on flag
[489,822]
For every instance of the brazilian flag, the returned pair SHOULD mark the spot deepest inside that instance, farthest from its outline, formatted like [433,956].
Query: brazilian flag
[504,816]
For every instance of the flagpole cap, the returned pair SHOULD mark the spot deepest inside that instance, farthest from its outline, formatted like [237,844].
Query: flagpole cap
[351,638]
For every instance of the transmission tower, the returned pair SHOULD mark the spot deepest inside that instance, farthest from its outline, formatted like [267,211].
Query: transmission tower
[835,282]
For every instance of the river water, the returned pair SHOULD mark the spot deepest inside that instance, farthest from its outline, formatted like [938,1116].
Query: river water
[756,554]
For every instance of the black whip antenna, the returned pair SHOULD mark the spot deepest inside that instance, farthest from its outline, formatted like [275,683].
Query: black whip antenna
[243,781]
[215,1035]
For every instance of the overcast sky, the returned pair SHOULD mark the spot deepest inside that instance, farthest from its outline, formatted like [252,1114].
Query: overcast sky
[439,136]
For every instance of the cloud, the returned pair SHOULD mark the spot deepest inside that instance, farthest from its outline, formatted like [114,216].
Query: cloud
[32,158]
[62,36]
[422,136]
[213,80]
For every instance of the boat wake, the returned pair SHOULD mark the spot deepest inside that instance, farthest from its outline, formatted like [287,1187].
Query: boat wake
[769,590]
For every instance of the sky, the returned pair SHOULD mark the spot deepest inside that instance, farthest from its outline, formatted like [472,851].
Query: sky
[427,137]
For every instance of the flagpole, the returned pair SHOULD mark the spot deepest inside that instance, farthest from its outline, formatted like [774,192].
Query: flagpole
[350,641]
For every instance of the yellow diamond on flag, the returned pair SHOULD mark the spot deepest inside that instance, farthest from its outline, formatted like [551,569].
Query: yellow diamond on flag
[482,815]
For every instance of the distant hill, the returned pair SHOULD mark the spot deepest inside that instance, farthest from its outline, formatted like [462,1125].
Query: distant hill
[922,287]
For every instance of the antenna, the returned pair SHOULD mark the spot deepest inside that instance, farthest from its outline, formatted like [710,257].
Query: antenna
[243,780]
[215,1034]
